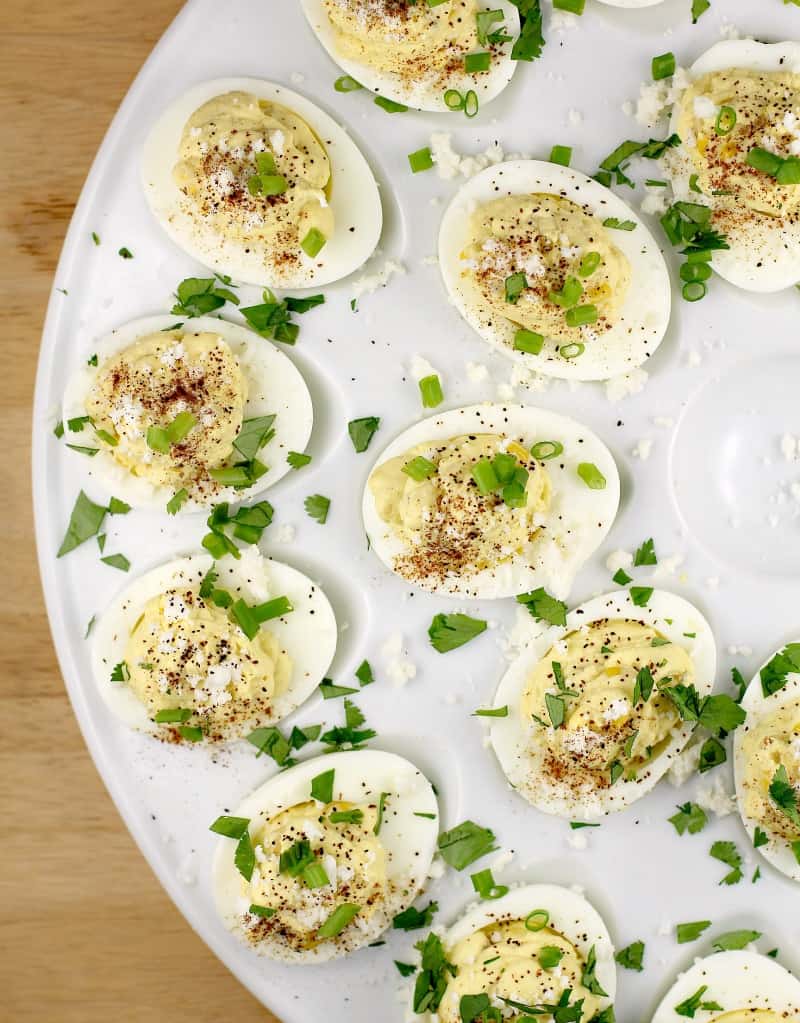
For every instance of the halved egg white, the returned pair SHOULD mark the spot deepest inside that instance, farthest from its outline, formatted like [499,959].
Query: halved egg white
[645,312]
[515,741]
[579,517]
[353,193]
[740,982]
[569,913]
[308,633]
[419,93]
[778,851]
[275,387]
[359,777]
[765,257]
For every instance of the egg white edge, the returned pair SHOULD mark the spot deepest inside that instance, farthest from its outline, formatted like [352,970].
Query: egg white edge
[739,974]
[507,735]
[391,86]
[612,353]
[571,915]
[730,264]
[267,365]
[512,577]
[385,772]
[354,198]
[312,616]
[778,851]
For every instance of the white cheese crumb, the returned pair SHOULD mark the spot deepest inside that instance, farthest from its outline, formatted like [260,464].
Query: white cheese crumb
[451,164]
[643,448]
[655,201]
[684,765]
[578,839]
[789,447]
[399,669]
[620,387]
[665,422]
[477,372]
[574,118]
[369,283]
[693,359]
[617,560]
[420,367]
[740,651]
[667,566]
[716,798]
[285,533]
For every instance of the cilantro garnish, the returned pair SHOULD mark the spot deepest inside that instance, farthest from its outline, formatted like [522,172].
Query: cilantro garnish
[616,162]
[317,507]
[84,523]
[448,632]
[413,919]
[632,957]
[733,940]
[432,980]
[199,296]
[694,1002]
[774,673]
[530,42]
[465,843]
[690,817]
[784,795]
[543,607]
[362,431]
[691,931]
[646,554]
[728,854]
[297,459]
[364,673]
[350,735]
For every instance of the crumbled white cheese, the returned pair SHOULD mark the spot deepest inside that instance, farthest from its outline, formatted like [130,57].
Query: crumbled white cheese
[665,422]
[285,533]
[740,651]
[728,30]
[369,283]
[655,201]
[684,765]
[574,118]
[643,448]
[399,669]
[297,78]
[790,447]
[617,560]
[578,839]
[716,798]
[420,367]
[693,359]
[451,164]
[476,372]
[505,392]
[620,387]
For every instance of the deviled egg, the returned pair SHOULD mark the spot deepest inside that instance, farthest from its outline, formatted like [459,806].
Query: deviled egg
[421,55]
[589,728]
[554,270]
[530,949]
[491,500]
[732,987]
[258,183]
[739,122]
[202,650]
[196,413]
[325,855]
[767,761]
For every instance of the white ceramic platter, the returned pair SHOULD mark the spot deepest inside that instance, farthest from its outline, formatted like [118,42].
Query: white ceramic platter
[726,375]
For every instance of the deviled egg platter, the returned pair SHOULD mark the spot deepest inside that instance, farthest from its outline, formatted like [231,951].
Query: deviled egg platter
[534,948]
[318,860]
[590,725]
[257,182]
[198,650]
[489,501]
[732,987]
[766,752]
[554,270]
[430,56]
[182,416]
[739,124]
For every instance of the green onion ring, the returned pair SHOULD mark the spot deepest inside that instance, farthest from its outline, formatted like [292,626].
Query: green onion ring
[453,100]
[693,291]
[471,103]
[726,121]
[572,351]
[546,449]
[537,920]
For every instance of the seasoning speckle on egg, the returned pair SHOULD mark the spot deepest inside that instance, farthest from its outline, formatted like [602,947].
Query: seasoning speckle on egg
[258,183]
[488,501]
[340,845]
[554,270]
[589,729]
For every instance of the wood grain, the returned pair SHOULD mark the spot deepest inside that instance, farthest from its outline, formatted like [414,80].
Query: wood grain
[88,934]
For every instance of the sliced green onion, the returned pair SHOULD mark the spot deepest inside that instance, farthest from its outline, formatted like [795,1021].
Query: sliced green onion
[485,477]
[273,184]
[484,22]
[591,476]
[313,242]
[663,66]
[419,469]
[389,105]
[726,120]
[515,284]
[570,293]
[589,264]
[430,389]
[655,183]
[528,341]
[265,162]
[763,160]
[572,351]
[157,439]
[453,100]
[191,733]
[543,450]
[539,918]
[173,715]
[695,272]
[561,155]
[421,160]
[477,62]
[338,920]
[693,184]
[789,171]
[314,876]
[573,6]
[619,225]
[693,291]
[347,84]
[580,315]
[471,103]
[484,884]
[263,911]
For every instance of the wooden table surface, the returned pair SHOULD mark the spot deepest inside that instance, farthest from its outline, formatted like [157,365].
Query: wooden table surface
[88,934]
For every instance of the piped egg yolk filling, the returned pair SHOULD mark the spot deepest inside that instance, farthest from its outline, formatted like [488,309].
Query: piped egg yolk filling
[506,960]
[311,859]
[541,261]
[722,117]
[170,407]
[256,174]
[768,746]
[448,521]
[586,701]
[417,42]
[186,654]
